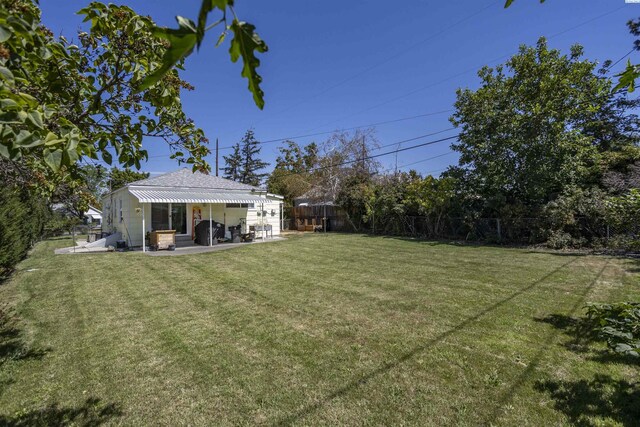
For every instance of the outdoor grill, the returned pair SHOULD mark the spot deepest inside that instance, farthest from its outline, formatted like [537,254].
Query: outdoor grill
[203,232]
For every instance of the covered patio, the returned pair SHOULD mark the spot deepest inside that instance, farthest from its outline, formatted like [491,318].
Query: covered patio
[183,209]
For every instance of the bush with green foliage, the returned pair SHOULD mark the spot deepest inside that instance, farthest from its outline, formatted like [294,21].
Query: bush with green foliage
[22,220]
[59,223]
[618,324]
[623,213]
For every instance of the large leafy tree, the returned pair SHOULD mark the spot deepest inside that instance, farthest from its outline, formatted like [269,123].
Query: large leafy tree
[118,178]
[61,102]
[528,131]
[292,176]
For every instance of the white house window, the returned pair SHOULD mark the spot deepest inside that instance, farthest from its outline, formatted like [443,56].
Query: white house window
[169,216]
[240,205]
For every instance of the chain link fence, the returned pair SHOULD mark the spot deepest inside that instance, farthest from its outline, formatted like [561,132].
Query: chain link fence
[574,233]
[579,233]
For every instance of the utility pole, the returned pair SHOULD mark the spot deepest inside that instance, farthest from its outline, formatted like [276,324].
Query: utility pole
[216,156]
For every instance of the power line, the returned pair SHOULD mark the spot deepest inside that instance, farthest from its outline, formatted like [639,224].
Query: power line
[407,94]
[427,159]
[413,139]
[386,60]
[618,61]
[348,162]
[345,129]
[350,128]
[431,85]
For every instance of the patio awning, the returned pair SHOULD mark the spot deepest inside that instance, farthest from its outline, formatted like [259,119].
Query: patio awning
[193,196]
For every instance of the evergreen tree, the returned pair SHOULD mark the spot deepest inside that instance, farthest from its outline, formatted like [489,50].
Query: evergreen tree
[251,163]
[233,164]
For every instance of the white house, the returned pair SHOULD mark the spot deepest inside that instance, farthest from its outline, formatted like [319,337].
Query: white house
[179,200]
[93,217]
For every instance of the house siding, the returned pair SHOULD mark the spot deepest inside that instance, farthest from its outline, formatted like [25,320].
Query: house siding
[128,219]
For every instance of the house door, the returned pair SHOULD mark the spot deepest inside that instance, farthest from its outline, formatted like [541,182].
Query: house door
[179,217]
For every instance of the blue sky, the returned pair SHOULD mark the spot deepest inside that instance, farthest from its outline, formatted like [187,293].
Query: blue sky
[334,65]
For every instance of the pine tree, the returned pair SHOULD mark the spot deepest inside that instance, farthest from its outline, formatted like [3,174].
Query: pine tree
[233,163]
[251,163]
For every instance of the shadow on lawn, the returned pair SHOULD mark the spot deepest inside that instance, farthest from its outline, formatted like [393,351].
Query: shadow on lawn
[580,331]
[358,382]
[602,397]
[582,336]
[91,413]
[12,345]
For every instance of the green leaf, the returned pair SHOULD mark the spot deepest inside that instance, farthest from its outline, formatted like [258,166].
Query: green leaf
[186,23]
[9,104]
[205,7]
[106,156]
[6,74]
[70,156]
[30,100]
[35,118]
[508,3]
[221,38]
[53,158]
[244,44]
[4,151]
[182,41]
[52,139]
[5,33]
[26,139]
[49,110]
[627,79]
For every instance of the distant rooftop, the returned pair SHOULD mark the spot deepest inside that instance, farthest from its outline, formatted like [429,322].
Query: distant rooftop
[187,179]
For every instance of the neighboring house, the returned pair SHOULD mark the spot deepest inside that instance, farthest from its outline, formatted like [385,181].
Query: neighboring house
[314,197]
[93,217]
[179,200]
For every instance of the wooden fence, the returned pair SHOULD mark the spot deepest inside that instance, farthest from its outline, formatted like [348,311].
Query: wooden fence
[308,218]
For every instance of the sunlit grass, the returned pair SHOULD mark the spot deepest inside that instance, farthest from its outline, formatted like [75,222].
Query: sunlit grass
[334,329]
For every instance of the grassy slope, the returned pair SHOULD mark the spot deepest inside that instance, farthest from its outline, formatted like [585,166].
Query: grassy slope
[336,329]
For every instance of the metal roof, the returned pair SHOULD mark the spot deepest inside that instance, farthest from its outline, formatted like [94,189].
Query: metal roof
[194,196]
[184,178]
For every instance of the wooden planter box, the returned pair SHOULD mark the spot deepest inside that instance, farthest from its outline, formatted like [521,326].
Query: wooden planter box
[162,239]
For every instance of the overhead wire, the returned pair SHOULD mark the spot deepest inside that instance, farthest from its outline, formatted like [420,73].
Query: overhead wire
[421,89]
[410,48]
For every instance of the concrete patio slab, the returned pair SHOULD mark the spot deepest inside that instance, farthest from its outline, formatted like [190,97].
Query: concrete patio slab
[184,250]
[197,249]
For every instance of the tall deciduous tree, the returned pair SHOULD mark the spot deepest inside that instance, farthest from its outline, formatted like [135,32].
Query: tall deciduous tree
[118,178]
[524,132]
[292,175]
[61,102]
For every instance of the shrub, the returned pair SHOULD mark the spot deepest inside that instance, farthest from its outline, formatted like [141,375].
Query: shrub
[561,240]
[618,324]
[575,218]
[22,219]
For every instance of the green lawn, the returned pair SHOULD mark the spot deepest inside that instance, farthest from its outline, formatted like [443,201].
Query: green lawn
[327,330]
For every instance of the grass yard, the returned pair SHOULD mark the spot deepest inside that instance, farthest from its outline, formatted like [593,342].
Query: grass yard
[334,329]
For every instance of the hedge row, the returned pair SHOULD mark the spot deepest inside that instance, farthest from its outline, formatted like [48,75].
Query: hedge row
[22,220]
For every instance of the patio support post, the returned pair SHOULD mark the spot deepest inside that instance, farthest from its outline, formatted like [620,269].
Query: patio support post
[144,247]
[210,227]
